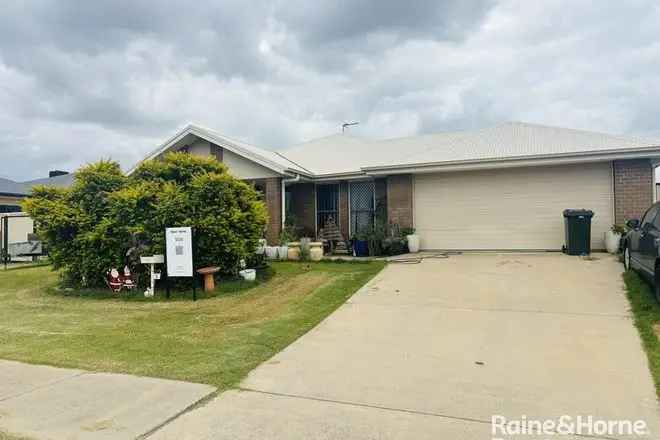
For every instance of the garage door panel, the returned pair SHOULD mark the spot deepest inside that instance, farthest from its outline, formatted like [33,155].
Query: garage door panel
[518,208]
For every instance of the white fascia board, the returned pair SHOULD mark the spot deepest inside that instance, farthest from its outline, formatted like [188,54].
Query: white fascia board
[224,143]
[331,177]
[220,141]
[511,162]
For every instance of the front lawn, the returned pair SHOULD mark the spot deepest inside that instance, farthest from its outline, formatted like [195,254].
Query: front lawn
[646,311]
[216,340]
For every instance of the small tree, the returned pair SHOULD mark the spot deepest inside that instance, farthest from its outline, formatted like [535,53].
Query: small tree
[90,227]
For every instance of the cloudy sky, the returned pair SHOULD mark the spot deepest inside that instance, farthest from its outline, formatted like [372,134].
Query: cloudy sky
[83,80]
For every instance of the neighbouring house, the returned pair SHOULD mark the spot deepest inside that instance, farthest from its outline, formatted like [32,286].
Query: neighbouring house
[15,226]
[498,188]
[12,193]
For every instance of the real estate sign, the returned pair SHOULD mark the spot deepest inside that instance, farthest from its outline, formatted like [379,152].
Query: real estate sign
[178,244]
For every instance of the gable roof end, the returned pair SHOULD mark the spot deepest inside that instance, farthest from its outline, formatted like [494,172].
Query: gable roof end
[268,159]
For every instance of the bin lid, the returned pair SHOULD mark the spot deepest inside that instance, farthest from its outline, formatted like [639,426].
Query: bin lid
[578,213]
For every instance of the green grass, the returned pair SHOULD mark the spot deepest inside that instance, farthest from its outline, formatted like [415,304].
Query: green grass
[216,340]
[646,311]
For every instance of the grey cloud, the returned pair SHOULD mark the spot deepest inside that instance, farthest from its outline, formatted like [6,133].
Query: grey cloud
[81,80]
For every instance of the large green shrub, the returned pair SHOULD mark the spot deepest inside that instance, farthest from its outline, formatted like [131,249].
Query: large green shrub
[90,227]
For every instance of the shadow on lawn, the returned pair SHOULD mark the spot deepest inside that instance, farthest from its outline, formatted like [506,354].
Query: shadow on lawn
[225,287]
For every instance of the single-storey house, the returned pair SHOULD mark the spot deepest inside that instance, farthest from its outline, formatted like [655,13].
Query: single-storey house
[498,188]
[12,193]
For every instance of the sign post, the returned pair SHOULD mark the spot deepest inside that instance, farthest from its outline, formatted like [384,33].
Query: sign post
[179,251]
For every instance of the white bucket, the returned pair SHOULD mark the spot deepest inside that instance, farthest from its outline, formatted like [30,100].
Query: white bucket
[248,274]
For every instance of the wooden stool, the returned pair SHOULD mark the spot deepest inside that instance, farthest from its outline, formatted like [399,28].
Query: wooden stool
[209,282]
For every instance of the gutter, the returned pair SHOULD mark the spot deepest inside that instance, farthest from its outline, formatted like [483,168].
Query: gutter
[283,191]
[538,160]
[5,194]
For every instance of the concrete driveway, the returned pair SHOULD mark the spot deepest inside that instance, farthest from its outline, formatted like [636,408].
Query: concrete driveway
[434,350]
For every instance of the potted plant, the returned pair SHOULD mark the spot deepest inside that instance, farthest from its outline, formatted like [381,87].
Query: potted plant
[412,239]
[283,249]
[375,238]
[613,238]
[271,252]
[360,243]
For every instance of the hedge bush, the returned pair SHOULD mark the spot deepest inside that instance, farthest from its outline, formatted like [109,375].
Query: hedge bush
[91,226]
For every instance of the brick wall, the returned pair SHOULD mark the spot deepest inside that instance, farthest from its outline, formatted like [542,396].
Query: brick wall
[343,210]
[303,207]
[273,196]
[399,200]
[633,188]
[380,195]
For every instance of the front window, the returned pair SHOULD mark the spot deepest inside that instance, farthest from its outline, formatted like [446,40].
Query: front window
[327,204]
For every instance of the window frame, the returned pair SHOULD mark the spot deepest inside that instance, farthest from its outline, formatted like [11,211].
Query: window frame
[325,212]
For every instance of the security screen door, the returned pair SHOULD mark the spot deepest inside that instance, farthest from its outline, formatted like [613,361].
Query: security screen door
[362,206]
[327,204]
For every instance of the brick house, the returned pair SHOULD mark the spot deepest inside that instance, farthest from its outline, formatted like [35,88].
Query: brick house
[498,188]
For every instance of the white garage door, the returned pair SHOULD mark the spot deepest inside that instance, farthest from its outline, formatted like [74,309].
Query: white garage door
[516,208]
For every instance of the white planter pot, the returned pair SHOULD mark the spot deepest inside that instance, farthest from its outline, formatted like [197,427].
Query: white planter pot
[612,240]
[271,252]
[282,252]
[413,243]
[261,246]
[248,274]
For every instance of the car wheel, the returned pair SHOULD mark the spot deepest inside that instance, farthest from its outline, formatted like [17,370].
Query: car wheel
[626,258]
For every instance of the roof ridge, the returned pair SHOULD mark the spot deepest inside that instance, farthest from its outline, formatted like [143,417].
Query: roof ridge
[580,130]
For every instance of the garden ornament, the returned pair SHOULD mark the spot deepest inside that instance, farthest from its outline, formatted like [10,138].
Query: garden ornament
[114,280]
[129,282]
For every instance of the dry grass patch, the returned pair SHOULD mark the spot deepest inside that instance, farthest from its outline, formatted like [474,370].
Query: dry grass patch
[216,340]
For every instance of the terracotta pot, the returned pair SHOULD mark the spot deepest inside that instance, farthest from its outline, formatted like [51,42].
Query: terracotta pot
[316,251]
[294,251]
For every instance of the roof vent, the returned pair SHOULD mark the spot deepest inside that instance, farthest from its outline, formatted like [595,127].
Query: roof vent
[55,173]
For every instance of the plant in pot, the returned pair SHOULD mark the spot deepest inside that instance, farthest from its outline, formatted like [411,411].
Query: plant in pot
[360,242]
[412,239]
[375,238]
[613,238]
[271,251]
[283,249]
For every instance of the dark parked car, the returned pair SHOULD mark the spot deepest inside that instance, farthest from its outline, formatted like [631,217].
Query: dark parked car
[641,246]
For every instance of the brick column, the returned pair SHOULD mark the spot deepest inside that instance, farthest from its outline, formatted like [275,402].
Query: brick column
[273,196]
[399,200]
[633,188]
[380,195]
[343,210]
[303,207]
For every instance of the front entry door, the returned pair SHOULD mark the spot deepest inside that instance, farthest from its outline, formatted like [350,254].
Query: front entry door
[362,206]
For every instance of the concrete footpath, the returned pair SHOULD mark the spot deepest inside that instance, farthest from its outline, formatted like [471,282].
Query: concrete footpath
[434,350]
[43,402]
